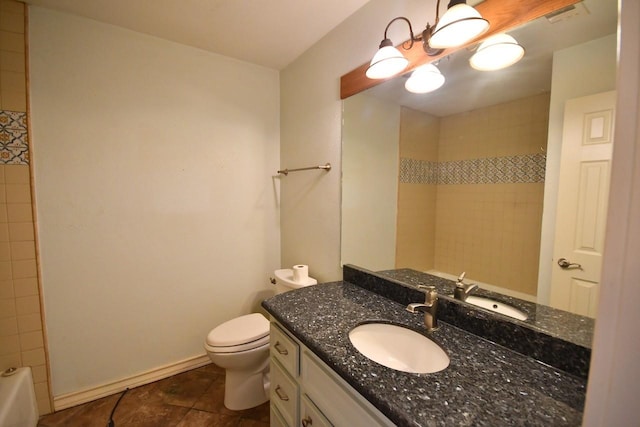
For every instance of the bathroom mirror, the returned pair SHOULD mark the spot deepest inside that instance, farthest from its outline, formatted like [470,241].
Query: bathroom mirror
[465,178]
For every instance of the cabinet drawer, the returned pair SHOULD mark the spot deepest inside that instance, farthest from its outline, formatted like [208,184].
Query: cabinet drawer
[284,350]
[284,393]
[310,415]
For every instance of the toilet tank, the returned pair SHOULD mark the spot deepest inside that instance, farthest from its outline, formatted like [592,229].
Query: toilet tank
[284,281]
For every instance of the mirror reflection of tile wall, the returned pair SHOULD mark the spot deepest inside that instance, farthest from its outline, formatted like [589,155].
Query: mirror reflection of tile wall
[477,180]
[21,330]
[416,216]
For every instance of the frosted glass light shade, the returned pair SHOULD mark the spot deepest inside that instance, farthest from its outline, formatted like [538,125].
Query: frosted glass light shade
[387,61]
[496,52]
[424,79]
[458,25]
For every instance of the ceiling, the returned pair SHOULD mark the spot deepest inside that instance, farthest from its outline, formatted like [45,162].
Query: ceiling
[271,33]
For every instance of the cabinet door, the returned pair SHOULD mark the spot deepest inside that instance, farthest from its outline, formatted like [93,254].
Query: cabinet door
[336,399]
[310,415]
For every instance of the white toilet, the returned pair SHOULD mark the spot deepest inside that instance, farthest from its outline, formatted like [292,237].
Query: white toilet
[241,347]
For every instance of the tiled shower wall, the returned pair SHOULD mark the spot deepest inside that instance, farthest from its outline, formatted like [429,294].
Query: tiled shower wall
[416,217]
[21,330]
[484,191]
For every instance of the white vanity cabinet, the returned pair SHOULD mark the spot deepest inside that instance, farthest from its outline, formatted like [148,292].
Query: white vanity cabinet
[306,392]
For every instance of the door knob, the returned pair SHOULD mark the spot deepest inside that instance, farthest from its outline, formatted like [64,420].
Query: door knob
[566,264]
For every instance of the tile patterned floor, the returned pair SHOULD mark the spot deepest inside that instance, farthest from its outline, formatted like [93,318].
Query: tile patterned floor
[191,399]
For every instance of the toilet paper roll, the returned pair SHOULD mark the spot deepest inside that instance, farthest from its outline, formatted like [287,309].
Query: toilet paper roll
[300,273]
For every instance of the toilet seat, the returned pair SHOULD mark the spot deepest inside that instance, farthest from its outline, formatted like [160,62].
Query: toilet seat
[240,334]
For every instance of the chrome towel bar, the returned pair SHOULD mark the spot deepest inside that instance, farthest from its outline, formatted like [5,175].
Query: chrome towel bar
[326,167]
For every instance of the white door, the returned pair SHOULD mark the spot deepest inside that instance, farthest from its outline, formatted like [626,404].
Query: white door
[587,143]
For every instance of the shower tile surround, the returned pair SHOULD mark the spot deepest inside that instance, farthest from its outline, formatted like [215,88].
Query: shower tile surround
[21,328]
[477,180]
[485,384]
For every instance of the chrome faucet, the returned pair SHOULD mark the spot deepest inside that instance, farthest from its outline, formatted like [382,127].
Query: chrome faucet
[429,308]
[462,289]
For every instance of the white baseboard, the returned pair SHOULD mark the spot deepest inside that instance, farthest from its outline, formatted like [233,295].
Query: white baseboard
[76,398]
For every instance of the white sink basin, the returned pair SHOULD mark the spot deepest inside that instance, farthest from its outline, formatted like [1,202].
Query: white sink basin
[496,306]
[398,348]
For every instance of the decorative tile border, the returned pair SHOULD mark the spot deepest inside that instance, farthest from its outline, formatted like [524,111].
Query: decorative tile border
[528,168]
[14,145]
[414,171]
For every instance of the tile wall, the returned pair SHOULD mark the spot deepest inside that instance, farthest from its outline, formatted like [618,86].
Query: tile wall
[485,187]
[416,217]
[21,326]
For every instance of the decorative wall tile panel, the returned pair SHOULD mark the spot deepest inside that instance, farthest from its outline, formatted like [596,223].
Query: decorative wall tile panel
[14,144]
[526,168]
[414,171]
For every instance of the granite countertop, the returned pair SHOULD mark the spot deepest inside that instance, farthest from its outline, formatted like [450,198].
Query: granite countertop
[556,341]
[484,385]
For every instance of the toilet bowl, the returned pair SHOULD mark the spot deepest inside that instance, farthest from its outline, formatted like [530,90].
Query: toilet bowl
[241,347]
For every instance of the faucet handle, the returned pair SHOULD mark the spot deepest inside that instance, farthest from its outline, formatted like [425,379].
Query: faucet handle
[461,277]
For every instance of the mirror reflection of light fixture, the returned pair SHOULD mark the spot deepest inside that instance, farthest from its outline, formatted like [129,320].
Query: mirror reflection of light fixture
[459,24]
[497,52]
[424,79]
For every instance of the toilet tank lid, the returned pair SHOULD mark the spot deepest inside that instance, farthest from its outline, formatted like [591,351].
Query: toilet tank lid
[240,330]
[285,277]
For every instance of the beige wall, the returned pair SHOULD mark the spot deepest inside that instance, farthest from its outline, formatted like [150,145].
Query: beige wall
[21,330]
[311,131]
[156,196]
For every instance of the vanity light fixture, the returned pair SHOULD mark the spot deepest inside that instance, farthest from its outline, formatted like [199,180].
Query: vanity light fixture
[497,52]
[424,79]
[459,24]
[389,61]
